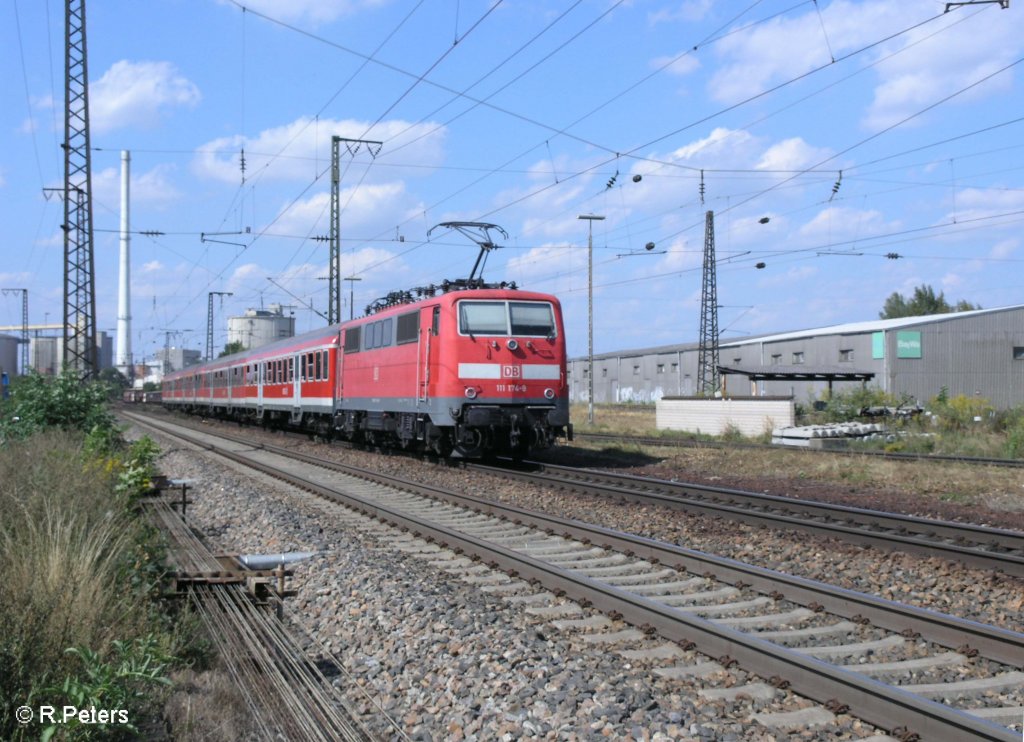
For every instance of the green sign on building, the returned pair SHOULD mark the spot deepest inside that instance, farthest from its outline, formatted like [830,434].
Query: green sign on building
[908,344]
[877,345]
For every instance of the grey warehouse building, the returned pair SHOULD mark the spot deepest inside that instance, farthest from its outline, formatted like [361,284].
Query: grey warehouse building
[975,353]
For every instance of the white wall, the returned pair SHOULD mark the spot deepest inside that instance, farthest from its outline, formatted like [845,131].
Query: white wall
[751,416]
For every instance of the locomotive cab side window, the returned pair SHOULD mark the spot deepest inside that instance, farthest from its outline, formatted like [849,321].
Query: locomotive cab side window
[408,328]
[352,339]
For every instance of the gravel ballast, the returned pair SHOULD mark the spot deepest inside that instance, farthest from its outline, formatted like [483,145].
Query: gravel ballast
[444,658]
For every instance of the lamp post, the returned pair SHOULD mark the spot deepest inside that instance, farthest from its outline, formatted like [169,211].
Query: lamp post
[351,294]
[591,218]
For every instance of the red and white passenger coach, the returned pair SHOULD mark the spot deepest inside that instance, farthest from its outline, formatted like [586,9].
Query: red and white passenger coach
[466,373]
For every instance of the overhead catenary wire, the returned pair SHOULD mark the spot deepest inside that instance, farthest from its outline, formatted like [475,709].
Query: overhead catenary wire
[546,140]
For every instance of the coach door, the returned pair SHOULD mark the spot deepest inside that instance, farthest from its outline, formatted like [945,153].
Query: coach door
[295,371]
[261,369]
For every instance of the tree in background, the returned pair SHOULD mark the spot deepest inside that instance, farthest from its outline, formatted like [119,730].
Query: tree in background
[235,346]
[924,301]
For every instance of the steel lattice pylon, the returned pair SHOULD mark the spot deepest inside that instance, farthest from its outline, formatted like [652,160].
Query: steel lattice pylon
[209,320]
[334,263]
[707,357]
[79,270]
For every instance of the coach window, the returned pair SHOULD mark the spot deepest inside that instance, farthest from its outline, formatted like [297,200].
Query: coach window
[798,357]
[316,369]
[1018,353]
[846,355]
[291,370]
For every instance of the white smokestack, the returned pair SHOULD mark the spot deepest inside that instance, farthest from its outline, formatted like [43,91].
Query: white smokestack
[124,299]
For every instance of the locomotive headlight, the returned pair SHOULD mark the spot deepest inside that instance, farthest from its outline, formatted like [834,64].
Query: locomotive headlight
[512,344]
[470,392]
[549,393]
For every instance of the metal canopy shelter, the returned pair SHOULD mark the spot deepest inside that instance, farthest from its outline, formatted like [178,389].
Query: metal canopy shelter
[827,374]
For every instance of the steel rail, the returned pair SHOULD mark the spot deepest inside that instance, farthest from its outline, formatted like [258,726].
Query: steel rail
[977,546]
[948,631]
[879,703]
[286,694]
[884,455]
[974,545]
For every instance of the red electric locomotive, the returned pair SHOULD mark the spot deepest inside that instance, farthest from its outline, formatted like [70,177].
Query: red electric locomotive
[473,371]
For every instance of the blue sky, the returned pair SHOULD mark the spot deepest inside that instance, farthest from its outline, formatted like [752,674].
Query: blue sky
[858,128]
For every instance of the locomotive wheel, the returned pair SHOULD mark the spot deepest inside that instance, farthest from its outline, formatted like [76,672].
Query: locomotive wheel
[471,443]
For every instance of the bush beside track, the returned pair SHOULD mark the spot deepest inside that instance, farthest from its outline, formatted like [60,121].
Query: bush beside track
[81,619]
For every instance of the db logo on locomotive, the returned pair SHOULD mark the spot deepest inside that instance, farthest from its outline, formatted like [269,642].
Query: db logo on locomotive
[511,372]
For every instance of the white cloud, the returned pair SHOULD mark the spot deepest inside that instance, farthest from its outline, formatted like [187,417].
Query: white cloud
[680,65]
[791,154]
[981,203]
[734,145]
[557,266]
[315,12]
[792,277]
[1004,249]
[367,207]
[138,94]
[835,224]
[151,188]
[914,70]
[301,150]
[933,67]
[688,11]
[951,281]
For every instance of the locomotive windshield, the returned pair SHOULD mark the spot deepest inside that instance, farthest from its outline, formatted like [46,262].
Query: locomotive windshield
[506,318]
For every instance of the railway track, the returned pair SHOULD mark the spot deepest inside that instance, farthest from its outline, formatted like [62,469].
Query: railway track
[886,455]
[840,648]
[976,546]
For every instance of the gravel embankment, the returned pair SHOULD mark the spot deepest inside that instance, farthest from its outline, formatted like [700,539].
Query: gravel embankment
[931,583]
[441,657]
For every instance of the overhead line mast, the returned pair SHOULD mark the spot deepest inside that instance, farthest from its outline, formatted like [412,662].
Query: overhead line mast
[334,263]
[79,268]
[209,320]
[707,355]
